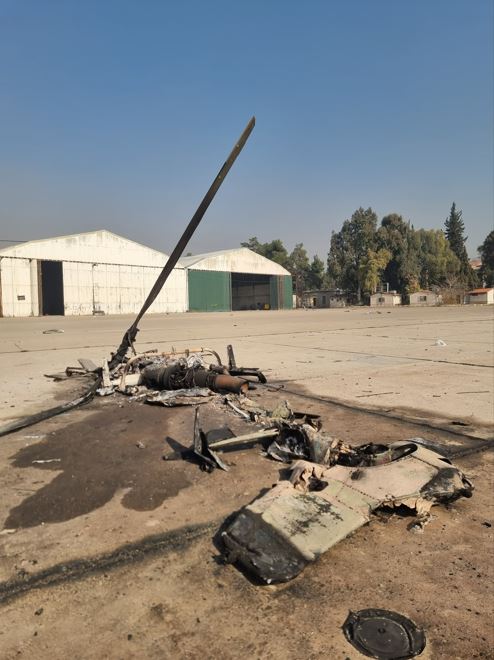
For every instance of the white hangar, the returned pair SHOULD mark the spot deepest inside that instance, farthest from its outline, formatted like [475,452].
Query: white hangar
[99,272]
[96,272]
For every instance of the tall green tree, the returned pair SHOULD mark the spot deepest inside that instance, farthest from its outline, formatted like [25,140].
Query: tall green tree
[274,250]
[455,230]
[299,267]
[253,244]
[410,263]
[396,236]
[392,236]
[349,247]
[316,277]
[439,265]
[372,268]
[486,251]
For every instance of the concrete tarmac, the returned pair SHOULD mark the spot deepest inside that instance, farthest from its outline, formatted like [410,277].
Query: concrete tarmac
[387,359]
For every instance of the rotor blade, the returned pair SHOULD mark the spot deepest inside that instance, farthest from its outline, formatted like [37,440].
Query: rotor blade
[131,333]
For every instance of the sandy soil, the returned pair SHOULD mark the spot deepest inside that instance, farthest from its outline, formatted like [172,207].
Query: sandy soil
[154,584]
[110,551]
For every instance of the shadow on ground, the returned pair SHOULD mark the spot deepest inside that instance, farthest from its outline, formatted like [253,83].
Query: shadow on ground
[111,450]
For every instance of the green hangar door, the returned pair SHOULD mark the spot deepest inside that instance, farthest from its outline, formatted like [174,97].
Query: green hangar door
[222,291]
[209,291]
[251,291]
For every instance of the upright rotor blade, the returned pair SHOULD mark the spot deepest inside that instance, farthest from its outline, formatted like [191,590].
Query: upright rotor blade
[131,333]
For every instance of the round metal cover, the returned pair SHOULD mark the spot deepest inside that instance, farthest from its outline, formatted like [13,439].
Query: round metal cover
[384,635]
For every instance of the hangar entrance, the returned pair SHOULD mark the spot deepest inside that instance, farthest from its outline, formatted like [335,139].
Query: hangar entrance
[250,291]
[50,286]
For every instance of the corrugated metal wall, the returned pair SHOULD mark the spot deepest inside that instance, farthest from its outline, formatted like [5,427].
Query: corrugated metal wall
[281,291]
[209,291]
[274,291]
[287,292]
[19,287]
[90,288]
[102,273]
[106,273]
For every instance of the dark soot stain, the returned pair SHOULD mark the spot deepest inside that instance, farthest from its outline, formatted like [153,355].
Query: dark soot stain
[98,457]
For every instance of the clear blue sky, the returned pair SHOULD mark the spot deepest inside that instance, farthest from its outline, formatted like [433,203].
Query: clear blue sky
[118,114]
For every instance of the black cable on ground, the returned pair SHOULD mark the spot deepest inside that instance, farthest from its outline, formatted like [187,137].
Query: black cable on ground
[23,422]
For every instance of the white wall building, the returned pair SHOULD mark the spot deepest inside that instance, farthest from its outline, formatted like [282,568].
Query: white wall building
[425,298]
[385,299]
[483,296]
[334,298]
[96,272]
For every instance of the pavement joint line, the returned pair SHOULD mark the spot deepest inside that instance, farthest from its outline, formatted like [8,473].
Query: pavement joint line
[424,339]
[396,357]
[447,428]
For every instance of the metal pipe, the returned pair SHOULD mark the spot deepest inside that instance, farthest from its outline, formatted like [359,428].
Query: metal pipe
[241,439]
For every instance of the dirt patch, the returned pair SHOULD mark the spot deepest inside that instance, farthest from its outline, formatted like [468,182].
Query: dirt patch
[109,451]
[183,604]
[104,584]
[175,541]
[122,448]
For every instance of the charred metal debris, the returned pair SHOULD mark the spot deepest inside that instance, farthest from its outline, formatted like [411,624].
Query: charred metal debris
[188,374]
[384,635]
[274,537]
[333,487]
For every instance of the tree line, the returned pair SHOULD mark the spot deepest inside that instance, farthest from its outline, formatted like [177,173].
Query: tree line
[365,255]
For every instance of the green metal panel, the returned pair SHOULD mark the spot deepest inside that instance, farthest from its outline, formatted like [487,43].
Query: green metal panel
[281,291]
[273,292]
[287,292]
[209,291]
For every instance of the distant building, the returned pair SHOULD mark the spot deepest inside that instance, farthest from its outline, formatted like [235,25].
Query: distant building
[385,299]
[324,298]
[480,297]
[425,298]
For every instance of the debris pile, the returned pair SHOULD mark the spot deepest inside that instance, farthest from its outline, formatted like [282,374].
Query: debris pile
[278,534]
[333,488]
[176,371]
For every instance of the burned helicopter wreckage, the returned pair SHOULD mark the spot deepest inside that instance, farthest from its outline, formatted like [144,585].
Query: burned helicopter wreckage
[334,487]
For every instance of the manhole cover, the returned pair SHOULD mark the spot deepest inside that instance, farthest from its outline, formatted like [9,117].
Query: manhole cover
[384,635]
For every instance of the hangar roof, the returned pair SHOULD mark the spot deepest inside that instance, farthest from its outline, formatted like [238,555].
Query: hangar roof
[101,246]
[236,260]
